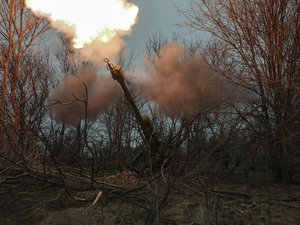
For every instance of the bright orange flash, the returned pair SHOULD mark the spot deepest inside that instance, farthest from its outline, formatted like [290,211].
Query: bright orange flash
[89,19]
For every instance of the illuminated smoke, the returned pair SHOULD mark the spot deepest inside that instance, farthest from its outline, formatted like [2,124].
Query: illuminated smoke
[95,52]
[179,84]
[102,91]
[96,26]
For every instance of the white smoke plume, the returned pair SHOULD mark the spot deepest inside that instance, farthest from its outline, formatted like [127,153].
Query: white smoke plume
[102,91]
[95,50]
[95,27]
[180,84]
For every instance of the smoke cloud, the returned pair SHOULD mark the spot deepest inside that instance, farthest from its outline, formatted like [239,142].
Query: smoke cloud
[95,52]
[96,27]
[180,84]
[102,91]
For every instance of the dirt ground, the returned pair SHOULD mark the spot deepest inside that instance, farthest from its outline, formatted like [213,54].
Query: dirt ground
[192,202]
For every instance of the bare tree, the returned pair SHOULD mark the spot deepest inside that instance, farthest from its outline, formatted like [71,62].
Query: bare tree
[261,45]
[19,28]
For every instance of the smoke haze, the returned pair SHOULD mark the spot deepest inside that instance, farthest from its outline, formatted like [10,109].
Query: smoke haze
[102,91]
[180,84]
[96,27]
[95,52]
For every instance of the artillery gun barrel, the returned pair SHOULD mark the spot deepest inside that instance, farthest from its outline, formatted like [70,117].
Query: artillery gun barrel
[159,154]
[147,128]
